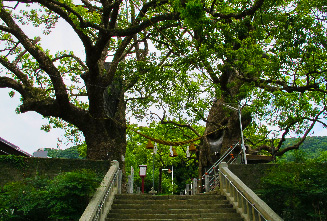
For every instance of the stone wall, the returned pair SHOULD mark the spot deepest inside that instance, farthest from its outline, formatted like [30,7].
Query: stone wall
[251,174]
[17,168]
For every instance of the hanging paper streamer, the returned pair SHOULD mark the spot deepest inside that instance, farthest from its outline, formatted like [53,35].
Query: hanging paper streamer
[188,152]
[155,148]
[171,151]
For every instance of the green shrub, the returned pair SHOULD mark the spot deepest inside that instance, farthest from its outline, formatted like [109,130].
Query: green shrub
[65,197]
[16,161]
[297,191]
[69,193]
[26,200]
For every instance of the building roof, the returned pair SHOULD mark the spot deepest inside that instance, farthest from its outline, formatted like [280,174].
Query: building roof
[7,148]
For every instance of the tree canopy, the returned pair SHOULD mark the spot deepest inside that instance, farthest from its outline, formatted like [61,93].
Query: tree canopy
[187,60]
[266,56]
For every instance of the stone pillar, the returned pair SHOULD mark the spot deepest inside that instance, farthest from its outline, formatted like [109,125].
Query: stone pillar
[120,175]
[206,183]
[130,184]
[187,189]
[195,186]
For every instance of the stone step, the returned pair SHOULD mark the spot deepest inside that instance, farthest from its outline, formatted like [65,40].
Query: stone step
[169,206]
[172,207]
[169,197]
[116,216]
[172,210]
[203,203]
[165,219]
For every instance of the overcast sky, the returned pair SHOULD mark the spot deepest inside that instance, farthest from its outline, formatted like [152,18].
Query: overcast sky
[23,130]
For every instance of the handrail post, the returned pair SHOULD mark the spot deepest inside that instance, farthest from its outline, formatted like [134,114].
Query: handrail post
[187,189]
[101,201]
[120,176]
[222,178]
[206,183]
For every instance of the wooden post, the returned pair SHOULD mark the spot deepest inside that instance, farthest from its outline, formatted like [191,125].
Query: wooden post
[142,184]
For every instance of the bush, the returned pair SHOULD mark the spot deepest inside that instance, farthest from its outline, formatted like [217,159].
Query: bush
[297,191]
[65,197]
[69,194]
[25,200]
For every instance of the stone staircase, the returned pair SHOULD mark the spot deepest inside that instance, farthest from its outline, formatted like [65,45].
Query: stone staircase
[172,207]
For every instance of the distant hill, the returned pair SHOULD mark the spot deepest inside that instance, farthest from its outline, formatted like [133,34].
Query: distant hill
[310,148]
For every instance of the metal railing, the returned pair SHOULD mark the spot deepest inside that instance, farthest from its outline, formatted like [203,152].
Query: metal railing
[101,202]
[244,200]
[211,176]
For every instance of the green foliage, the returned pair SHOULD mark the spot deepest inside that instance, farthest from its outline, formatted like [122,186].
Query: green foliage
[69,194]
[268,55]
[69,153]
[17,161]
[184,168]
[311,148]
[82,148]
[298,191]
[26,199]
[194,14]
[65,197]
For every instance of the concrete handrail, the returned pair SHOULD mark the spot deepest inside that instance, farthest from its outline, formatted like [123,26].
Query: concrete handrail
[101,201]
[244,200]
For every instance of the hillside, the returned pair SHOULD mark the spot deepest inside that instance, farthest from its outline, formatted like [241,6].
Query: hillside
[310,148]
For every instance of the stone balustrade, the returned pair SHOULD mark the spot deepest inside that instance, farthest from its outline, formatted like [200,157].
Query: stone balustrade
[244,200]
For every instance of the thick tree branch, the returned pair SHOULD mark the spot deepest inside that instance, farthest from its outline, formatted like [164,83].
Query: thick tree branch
[44,61]
[134,29]
[6,82]
[16,71]
[74,57]
[257,5]
[279,85]
[114,14]
[20,56]
[211,72]
[117,58]
[65,15]
[163,121]
[297,145]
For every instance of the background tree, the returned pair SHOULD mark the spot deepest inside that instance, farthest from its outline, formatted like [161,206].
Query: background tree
[296,191]
[69,153]
[185,167]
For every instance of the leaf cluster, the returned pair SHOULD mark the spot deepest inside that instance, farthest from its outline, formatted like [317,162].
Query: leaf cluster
[136,154]
[297,191]
[64,197]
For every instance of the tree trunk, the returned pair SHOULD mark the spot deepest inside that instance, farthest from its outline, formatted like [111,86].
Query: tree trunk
[223,125]
[106,140]
[106,137]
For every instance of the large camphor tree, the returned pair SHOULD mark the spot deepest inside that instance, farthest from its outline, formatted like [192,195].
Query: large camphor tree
[269,57]
[52,83]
